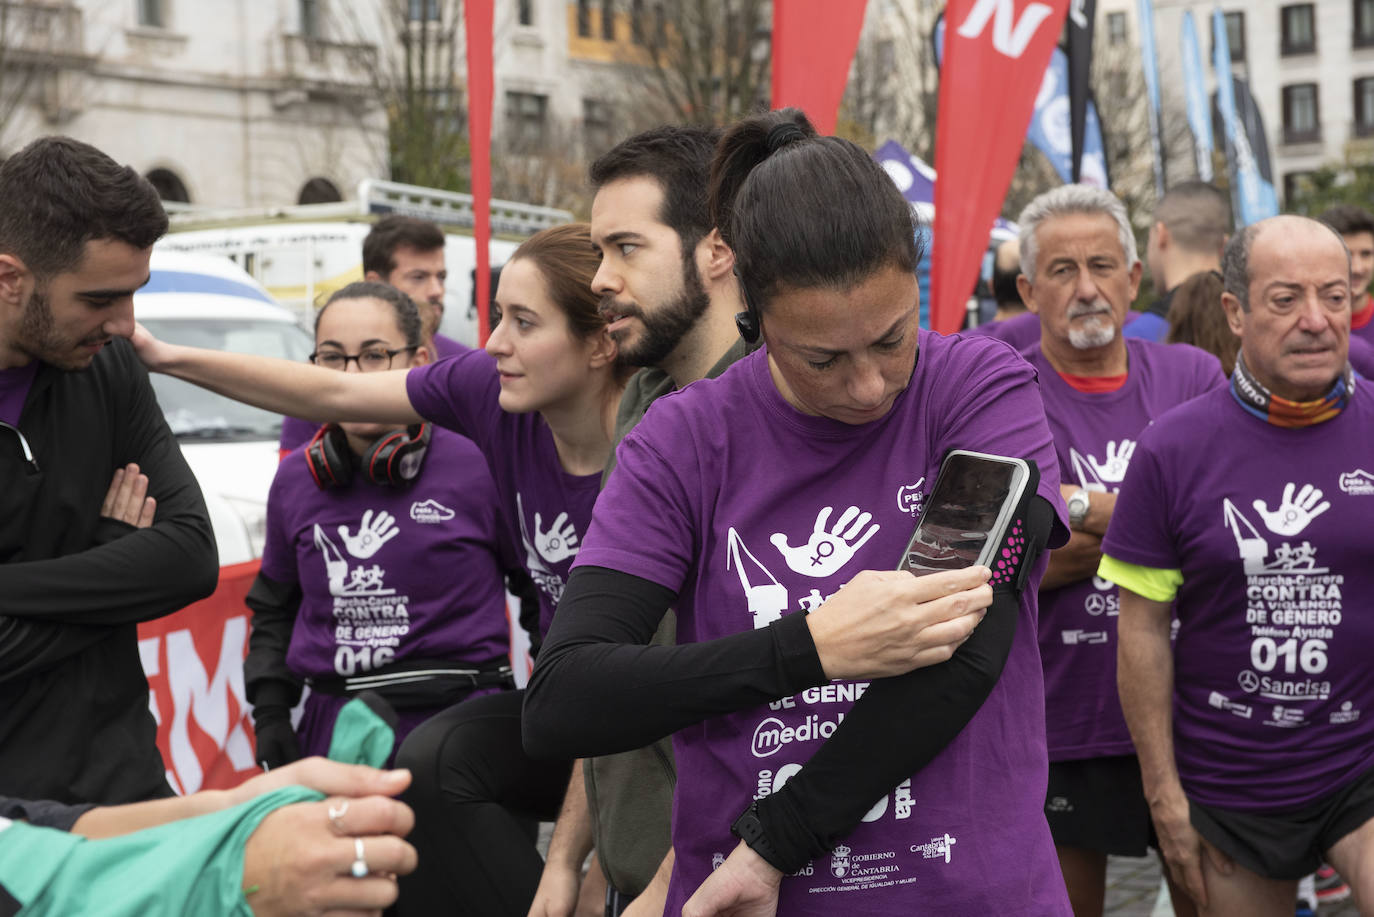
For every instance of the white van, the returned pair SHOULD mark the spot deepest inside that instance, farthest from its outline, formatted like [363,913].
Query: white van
[302,254]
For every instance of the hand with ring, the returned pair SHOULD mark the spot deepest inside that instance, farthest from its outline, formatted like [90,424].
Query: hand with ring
[320,857]
[359,867]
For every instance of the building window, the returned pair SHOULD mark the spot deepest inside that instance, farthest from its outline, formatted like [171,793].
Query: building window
[151,14]
[526,118]
[1363,35]
[584,19]
[1235,36]
[1364,106]
[424,10]
[597,127]
[1301,119]
[608,20]
[319,191]
[1116,28]
[637,21]
[1298,29]
[310,18]
[169,186]
[1295,184]
[525,11]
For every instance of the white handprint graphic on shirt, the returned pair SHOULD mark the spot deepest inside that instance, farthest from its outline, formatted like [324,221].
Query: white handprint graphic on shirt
[559,542]
[825,552]
[1294,513]
[1113,470]
[372,534]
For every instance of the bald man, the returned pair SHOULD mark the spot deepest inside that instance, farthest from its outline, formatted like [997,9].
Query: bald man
[1245,513]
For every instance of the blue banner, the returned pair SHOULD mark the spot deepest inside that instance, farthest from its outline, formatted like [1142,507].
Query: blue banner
[1051,127]
[1252,196]
[1195,91]
[1151,68]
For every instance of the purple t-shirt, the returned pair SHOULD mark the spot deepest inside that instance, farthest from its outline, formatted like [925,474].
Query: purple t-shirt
[366,558]
[296,432]
[750,509]
[1020,331]
[1273,687]
[14,388]
[1094,436]
[547,507]
[1361,354]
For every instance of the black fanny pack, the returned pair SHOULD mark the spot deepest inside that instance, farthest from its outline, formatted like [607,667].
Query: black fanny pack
[415,683]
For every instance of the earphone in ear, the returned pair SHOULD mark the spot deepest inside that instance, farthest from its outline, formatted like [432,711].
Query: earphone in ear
[392,461]
[747,321]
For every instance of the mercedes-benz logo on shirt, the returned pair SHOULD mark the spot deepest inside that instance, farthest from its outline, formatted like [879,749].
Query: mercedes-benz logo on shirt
[1249,681]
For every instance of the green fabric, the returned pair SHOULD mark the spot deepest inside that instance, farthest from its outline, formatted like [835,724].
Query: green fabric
[1153,583]
[191,866]
[30,856]
[361,736]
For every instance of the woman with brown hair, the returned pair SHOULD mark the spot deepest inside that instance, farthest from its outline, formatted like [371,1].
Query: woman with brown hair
[1196,317]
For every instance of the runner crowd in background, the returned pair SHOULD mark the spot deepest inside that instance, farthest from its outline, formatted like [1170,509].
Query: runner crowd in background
[702,430]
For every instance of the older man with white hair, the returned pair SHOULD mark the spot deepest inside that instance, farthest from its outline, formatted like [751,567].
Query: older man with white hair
[1246,513]
[1079,275]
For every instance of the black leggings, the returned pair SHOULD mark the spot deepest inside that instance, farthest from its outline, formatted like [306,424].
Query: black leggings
[475,792]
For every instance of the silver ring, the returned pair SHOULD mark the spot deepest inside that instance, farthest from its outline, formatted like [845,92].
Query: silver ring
[359,868]
[336,817]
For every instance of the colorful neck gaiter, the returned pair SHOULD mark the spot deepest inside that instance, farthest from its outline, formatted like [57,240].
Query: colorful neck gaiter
[1264,404]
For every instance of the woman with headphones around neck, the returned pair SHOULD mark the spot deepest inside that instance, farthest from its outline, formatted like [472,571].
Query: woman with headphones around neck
[358,521]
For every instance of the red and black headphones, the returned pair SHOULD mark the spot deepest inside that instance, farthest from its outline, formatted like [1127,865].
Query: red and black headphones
[392,461]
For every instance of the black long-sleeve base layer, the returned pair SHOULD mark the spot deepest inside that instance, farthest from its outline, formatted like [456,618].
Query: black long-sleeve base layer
[597,690]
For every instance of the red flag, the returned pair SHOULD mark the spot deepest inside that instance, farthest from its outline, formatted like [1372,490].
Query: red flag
[813,44]
[995,56]
[478,16]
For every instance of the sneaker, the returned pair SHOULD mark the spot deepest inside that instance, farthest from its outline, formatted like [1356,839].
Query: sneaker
[1330,886]
[1307,897]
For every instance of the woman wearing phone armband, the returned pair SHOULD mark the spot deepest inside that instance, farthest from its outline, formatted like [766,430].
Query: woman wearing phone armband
[357,521]
[790,485]
[540,404]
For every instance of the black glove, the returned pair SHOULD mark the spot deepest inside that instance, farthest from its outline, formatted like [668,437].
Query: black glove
[277,744]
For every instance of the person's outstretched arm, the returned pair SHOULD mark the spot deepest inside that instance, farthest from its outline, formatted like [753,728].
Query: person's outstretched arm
[282,386]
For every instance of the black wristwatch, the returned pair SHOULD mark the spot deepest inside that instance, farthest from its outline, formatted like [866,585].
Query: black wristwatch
[749,829]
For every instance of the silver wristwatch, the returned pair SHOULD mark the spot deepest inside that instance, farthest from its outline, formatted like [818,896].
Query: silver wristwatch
[1079,503]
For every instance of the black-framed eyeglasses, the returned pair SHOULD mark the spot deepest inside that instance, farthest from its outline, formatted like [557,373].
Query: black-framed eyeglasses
[371,360]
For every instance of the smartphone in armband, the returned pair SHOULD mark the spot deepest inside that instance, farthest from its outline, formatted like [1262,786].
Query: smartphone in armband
[969,512]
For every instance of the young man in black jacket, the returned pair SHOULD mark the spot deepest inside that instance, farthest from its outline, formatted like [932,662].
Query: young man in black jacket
[76,233]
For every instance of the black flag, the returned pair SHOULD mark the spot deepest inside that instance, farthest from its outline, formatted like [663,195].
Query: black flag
[1080,26]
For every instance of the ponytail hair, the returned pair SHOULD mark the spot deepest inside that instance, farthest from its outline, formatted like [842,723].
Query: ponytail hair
[803,211]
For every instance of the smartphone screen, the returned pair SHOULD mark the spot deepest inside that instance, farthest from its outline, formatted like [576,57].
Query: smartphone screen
[966,514]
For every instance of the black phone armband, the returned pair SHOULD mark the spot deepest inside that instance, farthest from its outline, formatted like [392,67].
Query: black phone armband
[1025,538]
